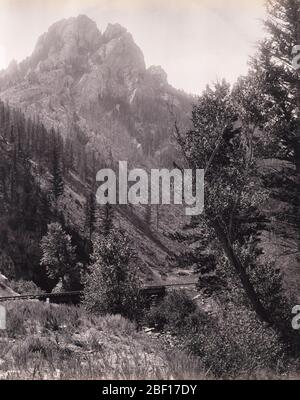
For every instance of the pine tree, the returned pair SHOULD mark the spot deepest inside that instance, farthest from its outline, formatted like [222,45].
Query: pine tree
[28,199]
[68,156]
[105,219]
[14,177]
[43,211]
[276,80]
[90,214]
[57,182]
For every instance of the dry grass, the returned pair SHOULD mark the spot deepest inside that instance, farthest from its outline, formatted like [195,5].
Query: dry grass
[63,342]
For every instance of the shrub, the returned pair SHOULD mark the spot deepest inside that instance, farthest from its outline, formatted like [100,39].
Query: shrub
[268,282]
[31,348]
[119,325]
[40,346]
[236,344]
[176,313]
[230,344]
[23,287]
[51,321]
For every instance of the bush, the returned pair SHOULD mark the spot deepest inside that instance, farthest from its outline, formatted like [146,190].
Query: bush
[235,344]
[30,349]
[51,320]
[176,313]
[228,345]
[24,287]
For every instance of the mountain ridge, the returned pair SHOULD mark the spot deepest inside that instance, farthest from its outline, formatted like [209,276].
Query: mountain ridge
[78,78]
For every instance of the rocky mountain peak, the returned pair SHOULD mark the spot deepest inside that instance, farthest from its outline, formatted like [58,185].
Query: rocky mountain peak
[103,80]
[80,29]
[158,73]
[67,39]
[114,31]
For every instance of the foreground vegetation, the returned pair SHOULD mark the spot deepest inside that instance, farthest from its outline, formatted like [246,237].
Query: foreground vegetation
[46,341]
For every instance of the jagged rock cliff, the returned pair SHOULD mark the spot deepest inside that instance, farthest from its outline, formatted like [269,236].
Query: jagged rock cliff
[81,80]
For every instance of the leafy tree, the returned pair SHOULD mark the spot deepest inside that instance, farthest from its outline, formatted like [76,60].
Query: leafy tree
[112,286]
[218,144]
[59,256]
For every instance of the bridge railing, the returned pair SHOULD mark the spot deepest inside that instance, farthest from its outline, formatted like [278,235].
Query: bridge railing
[154,290]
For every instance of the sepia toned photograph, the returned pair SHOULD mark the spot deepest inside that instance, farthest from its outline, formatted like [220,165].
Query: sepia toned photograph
[149,192]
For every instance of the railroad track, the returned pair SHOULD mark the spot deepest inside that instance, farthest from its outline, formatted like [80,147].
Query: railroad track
[148,291]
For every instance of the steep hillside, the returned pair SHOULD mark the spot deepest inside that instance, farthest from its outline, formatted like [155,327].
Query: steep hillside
[26,150]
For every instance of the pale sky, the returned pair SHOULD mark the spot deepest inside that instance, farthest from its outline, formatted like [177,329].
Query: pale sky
[195,41]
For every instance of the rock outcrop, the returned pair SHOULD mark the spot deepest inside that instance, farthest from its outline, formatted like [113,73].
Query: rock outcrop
[79,79]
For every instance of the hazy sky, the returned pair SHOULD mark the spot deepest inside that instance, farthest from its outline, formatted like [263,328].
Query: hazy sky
[195,41]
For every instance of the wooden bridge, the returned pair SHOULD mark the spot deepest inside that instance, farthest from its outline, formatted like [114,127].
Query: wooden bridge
[153,292]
